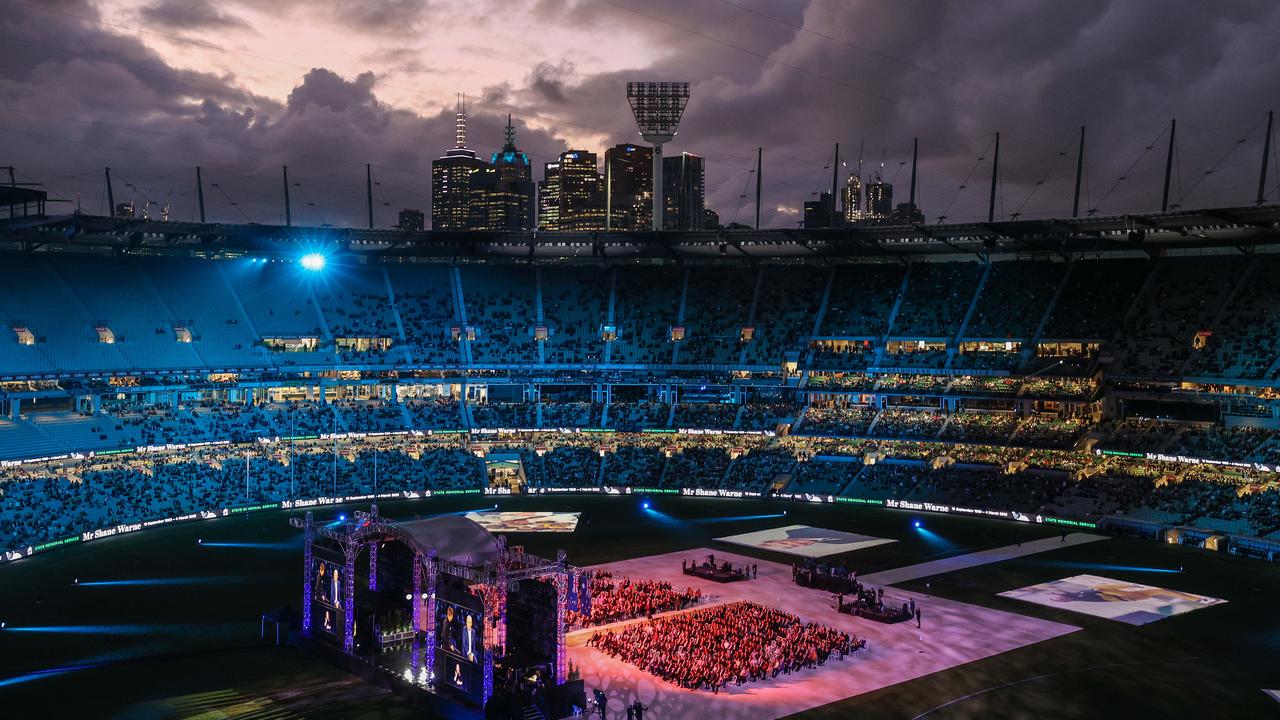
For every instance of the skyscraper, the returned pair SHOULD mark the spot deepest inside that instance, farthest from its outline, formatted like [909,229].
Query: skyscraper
[879,199]
[549,197]
[818,213]
[451,179]
[852,198]
[629,186]
[570,196]
[502,191]
[907,214]
[683,190]
[411,220]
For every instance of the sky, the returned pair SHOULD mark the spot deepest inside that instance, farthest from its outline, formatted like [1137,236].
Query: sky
[153,88]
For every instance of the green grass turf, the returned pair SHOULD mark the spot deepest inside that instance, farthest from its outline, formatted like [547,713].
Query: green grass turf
[180,649]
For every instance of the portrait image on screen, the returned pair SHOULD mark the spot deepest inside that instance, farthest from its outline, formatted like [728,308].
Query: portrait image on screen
[327,588]
[459,631]
[457,673]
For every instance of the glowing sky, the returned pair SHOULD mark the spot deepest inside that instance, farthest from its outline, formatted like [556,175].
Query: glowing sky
[154,87]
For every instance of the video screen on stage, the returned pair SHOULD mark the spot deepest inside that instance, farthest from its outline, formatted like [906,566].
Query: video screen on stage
[327,587]
[326,590]
[497,521]
[456,673]
[459,632]
[1126,602]
[805,541]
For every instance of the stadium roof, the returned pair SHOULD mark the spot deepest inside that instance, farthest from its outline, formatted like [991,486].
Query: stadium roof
[1240,228]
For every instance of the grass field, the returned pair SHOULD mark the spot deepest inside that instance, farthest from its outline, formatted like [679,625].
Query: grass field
[180,637]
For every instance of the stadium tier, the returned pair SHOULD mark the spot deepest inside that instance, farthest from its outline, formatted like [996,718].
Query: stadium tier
[1100,385]
[1201,318]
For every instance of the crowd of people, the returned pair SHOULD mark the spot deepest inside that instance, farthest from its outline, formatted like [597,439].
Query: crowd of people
[735,643]
[494,314]
[706,415]
[617,597]
[45,500]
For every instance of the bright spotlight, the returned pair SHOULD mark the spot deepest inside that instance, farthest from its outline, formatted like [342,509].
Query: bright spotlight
[342,518]
[645,505]
[916,523]
[313,262]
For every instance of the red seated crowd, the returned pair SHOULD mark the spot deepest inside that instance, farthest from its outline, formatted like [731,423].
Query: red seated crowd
[621,598]
[734,643]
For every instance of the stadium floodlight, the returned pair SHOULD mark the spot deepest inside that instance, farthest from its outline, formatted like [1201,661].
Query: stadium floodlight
[313,262]
[657,107]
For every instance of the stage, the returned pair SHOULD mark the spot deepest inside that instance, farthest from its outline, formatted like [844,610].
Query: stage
[715,574]
[953,634]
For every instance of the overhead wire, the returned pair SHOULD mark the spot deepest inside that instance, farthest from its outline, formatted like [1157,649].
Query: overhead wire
[1230,150]
[1124,176]
[1057,158]
[965,183]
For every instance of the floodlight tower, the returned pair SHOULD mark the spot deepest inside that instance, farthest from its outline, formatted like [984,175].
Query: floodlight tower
[657,107]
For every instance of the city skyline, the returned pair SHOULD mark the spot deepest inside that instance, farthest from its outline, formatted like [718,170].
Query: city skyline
[155,87]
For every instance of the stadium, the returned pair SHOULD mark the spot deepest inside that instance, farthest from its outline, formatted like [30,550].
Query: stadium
[960,417]
[551,359]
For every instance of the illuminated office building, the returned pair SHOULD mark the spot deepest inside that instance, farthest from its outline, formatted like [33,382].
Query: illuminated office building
[851,196]
[684,192]
[879,200]
[411,220]
[502,192]
[571,194]
[628,178]
[451,180]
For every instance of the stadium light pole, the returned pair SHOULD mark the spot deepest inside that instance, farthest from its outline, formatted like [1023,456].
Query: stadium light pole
[1266,151]
[657,107]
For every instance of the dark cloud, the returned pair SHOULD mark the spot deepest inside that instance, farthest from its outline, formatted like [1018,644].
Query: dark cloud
[547,81]
[953,74]
[68,114]
[381,17]
[77,96]
[189,15]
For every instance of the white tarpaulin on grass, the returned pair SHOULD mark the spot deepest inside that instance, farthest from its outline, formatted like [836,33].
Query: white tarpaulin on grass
[1127,602]
[805,541]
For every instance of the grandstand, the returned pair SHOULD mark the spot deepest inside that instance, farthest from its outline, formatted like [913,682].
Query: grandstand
[1095,381]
